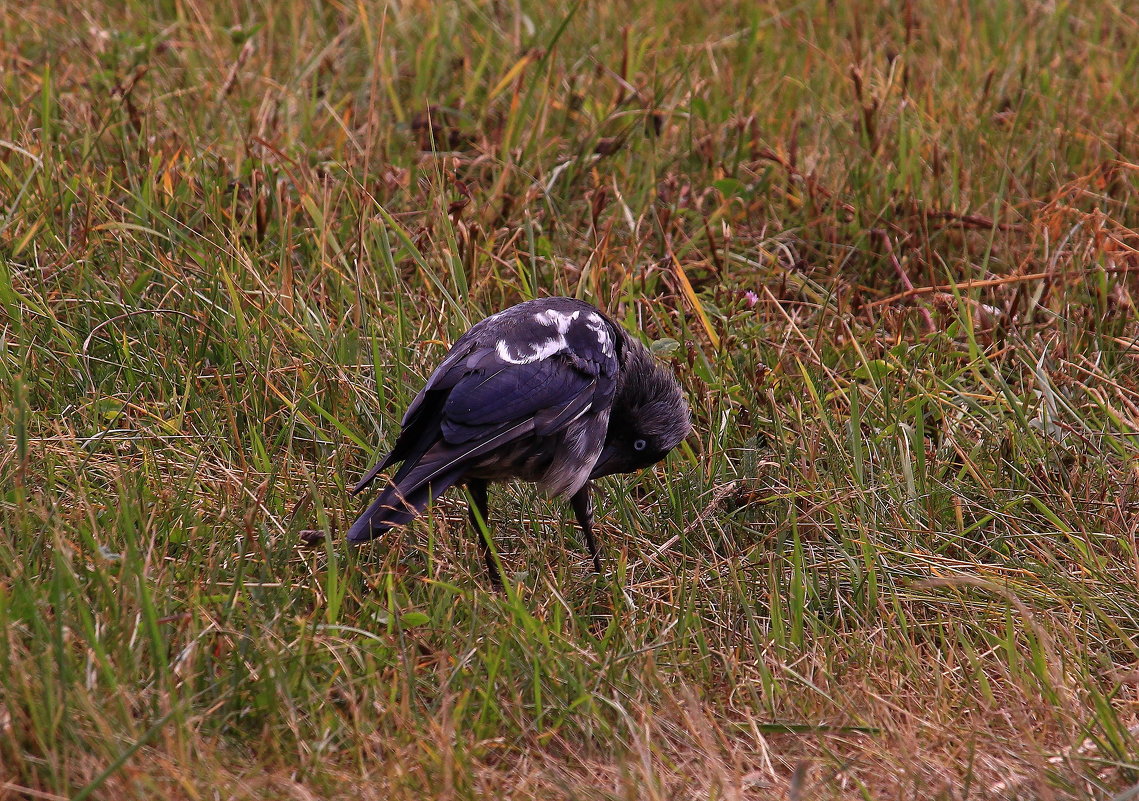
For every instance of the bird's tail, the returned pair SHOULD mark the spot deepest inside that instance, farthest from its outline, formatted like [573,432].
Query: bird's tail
[398,504]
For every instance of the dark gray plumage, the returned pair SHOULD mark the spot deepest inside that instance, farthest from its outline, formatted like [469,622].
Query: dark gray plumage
[550,391]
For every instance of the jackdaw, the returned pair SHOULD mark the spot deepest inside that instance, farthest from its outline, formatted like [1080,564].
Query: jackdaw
[550,391]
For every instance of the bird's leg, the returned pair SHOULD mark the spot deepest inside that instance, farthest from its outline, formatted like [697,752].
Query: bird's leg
[479,521]
[582,503]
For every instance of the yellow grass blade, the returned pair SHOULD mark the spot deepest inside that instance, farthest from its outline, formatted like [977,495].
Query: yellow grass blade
[510,75]
[690,293]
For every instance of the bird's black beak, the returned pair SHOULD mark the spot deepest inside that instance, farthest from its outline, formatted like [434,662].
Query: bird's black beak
[607,463]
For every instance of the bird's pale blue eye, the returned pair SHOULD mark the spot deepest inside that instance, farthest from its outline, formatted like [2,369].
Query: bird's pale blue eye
[640,445]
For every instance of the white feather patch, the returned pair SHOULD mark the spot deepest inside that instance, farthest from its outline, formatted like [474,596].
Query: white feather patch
[557,319]
[537,351]
[560,322]
[597,326]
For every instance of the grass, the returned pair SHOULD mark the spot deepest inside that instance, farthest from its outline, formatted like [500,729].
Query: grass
[890,249]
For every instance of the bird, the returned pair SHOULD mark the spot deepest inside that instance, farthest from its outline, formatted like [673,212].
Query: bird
[550,391]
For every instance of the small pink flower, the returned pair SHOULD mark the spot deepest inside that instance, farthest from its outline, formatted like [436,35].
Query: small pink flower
[751,298]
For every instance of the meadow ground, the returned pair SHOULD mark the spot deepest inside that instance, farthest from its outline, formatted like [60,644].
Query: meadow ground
[889,248]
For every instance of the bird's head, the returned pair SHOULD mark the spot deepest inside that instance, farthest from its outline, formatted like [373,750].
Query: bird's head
[649,417]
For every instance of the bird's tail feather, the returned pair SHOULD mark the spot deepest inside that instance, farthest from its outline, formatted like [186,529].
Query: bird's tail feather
[397,505]
[421,480]
[374,471]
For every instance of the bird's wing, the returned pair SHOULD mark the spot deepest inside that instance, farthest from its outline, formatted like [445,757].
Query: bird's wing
[541,367]
[485,402]
[418,434]
[501,382]
[418,430]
